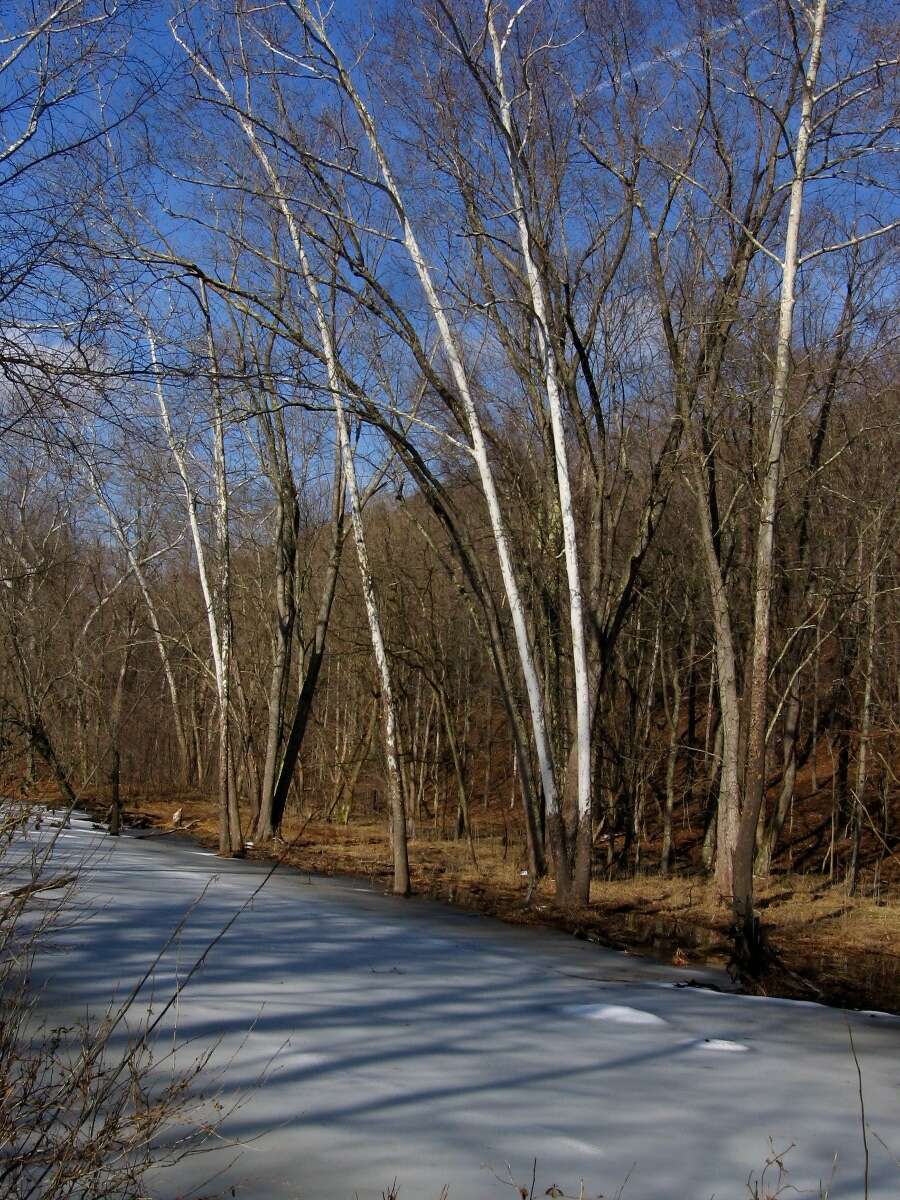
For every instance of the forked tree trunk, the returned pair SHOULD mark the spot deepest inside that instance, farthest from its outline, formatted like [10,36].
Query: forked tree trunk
[391,730]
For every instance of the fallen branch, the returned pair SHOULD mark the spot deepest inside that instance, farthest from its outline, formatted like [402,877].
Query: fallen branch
[47,885]
[165,832]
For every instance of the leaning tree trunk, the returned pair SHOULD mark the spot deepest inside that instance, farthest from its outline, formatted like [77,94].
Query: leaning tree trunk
[153,617]
[316,29]
[312,668]
[229,829]
[40,740]
[389,706]
[490,630]
[391,731]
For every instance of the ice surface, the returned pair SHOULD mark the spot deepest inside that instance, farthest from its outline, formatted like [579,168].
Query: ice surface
[370,1038]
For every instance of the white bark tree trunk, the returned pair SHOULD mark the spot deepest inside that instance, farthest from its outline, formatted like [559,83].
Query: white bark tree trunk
[391,733]
[229,829]
[583,705]
[316,30]
[230,836]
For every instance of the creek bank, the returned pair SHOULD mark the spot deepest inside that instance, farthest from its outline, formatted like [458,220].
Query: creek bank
[658,921]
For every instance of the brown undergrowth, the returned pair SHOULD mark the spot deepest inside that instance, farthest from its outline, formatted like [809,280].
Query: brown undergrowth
[831,947]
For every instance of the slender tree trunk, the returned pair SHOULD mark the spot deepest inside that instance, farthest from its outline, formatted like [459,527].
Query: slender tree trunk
[462,794]
[581,882]
[391,732]
[391,729]
[230,841]
[865,717]
[153,617]
[115,738]
[312,666]
[728,805]
[775,824]
[347,783]
[748,944]
[40,739]
[673,713]
[492,636]
[285,555]
[230,837]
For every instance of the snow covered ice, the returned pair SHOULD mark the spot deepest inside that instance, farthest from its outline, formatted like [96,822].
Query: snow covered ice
[370,1038]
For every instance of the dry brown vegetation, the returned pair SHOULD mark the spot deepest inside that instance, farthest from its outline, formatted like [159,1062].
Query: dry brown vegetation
[89,1106]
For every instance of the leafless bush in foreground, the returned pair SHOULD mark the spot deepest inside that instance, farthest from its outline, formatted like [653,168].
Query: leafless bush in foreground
[85,1109]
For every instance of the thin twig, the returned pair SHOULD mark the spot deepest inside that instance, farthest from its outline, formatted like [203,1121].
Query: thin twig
[862,1115]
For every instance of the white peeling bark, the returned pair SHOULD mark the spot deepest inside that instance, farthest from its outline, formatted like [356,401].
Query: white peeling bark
[221,661]
[191,506]
[391,733]
[583,705]
[479,445]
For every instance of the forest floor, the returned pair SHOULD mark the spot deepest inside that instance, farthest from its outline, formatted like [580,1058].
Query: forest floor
[832,948]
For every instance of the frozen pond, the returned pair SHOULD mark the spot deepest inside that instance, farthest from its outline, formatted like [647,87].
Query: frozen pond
[373,1038]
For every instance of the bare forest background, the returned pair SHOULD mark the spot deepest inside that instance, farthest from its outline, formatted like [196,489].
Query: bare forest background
[474,418]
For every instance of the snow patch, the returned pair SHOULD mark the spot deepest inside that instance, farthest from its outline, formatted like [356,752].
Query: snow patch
[308,1060]
[617,1014]
[721,1045]
[577,1146]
